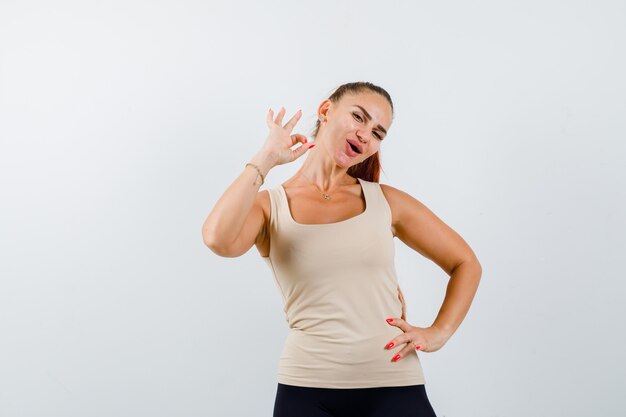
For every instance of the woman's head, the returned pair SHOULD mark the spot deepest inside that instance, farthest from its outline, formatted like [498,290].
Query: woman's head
[359,113]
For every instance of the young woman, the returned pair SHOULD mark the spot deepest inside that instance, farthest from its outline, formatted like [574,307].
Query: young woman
[327,235]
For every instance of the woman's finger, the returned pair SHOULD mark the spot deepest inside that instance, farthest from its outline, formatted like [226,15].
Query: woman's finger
[279,116]
[300,150]
[413,336]
[402,354]
[298,138]
[398,322]
[292,122]
[269,118]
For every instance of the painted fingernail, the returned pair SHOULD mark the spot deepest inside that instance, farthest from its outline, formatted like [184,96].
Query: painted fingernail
[311,146]
[389,345]
[417,347]
[395,358]
[389,320]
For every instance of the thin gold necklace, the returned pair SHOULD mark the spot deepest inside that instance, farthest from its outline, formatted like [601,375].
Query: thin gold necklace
[325,195]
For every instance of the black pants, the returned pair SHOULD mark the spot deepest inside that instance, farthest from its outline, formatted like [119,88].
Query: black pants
[402,401]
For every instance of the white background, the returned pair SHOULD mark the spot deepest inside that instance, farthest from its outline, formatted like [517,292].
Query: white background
[121,124]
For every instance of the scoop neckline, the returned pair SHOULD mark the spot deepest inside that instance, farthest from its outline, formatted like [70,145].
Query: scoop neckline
[292,220]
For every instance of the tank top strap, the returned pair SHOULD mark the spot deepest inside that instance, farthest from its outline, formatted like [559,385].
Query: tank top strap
[375,197]
[276,209]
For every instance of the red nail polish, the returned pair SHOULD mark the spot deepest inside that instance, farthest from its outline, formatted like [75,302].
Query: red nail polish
[417,347]
[389,320]
[311,146]
[395,358]
[390,345]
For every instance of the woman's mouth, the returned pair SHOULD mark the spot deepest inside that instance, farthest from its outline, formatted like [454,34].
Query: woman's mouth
[352,150]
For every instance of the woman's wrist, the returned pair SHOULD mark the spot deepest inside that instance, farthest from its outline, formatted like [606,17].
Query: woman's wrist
[446,330]
[264,161]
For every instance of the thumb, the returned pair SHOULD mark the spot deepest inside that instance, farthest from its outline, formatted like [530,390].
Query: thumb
[298,152]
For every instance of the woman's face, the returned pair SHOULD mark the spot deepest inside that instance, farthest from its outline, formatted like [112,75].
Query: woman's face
[359,119]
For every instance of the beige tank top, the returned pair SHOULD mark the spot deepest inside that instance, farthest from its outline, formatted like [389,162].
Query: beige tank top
[338,283]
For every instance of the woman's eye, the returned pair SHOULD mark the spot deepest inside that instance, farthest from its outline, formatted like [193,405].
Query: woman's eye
[361,119]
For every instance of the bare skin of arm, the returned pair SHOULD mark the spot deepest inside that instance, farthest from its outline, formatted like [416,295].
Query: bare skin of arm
[420,229]
[237,221]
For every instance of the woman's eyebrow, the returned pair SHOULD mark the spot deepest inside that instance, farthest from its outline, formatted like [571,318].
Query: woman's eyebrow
[379,127]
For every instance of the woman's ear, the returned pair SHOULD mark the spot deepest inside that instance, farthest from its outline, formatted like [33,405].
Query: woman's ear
[322,110]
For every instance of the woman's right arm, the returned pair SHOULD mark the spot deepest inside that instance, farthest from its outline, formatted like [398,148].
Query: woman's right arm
[237,221]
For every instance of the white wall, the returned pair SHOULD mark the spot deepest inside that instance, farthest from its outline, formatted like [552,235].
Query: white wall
[122,122]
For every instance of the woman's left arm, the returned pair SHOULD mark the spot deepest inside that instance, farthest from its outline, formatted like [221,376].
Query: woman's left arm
[420,229]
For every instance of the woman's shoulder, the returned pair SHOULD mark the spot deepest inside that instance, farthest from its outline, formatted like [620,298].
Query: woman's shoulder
[398,197]
[391,192]
[401,203]
[263,200]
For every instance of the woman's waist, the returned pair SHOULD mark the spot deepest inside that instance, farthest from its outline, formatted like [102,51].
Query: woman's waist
[312,359]
[355,343]
[337,320]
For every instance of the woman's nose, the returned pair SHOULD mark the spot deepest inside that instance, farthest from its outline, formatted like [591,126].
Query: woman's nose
[363,137]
